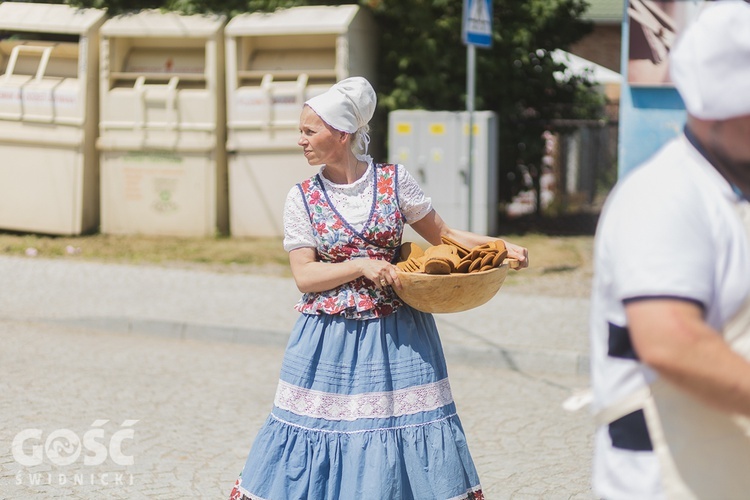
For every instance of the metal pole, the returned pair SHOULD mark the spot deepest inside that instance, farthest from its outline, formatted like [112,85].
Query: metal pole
[470,90]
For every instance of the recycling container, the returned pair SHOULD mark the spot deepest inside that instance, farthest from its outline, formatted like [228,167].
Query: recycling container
[274,63]
[162,141]
[49,172]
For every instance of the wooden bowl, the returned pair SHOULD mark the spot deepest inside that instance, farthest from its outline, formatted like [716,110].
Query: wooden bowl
[448,293]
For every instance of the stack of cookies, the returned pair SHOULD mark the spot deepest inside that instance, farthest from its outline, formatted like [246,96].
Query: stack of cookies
[451,257]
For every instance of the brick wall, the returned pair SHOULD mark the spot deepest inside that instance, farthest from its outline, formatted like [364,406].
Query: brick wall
[601,46]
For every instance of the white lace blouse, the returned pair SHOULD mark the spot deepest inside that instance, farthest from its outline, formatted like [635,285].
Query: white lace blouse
[353,201]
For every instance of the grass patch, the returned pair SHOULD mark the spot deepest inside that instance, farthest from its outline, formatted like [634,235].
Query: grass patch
[554,260]
[549,255]
[555,253]
[217,253]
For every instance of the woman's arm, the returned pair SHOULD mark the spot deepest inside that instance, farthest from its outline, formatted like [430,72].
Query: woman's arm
[432,227]
[311,275]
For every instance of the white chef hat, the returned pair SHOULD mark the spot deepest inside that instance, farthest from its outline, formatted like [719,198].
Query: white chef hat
[710,65]
[347,106]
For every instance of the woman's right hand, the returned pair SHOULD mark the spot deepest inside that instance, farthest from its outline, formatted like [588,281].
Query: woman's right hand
[311,275]
[380,272]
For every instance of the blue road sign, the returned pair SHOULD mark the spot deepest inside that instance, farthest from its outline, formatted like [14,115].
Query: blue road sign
[477,25]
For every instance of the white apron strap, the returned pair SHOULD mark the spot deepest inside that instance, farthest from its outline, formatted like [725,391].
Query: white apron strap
[625,406]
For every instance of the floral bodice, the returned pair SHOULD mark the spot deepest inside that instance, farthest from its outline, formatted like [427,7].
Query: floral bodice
[337,241]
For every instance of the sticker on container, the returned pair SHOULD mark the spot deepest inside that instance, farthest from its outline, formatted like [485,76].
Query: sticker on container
[437,128]
[403,128]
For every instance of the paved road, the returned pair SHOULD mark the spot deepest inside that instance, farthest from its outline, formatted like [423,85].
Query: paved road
[159,379]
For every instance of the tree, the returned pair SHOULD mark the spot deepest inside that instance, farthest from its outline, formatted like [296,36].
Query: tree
[422,64]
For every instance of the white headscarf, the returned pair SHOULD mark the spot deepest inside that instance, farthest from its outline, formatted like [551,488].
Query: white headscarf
[710,65]
[348,106]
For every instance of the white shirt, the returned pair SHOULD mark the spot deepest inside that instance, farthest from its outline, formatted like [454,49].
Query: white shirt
[354,202]
[668,229]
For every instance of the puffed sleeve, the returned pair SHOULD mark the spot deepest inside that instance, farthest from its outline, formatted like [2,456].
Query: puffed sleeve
[297,228]
[411,199]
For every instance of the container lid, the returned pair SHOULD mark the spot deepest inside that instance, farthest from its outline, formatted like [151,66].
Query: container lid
[295,20]
[48,18]
[155,23]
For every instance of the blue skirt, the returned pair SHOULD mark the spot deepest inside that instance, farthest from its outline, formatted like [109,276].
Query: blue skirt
[363,410]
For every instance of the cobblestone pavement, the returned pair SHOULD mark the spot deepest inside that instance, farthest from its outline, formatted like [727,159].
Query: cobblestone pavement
[128,403]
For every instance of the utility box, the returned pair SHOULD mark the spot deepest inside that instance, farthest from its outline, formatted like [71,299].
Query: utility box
[163,125]
[275,62]
[434,148]
[49,178]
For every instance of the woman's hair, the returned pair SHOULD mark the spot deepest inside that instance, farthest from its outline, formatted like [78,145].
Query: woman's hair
[361,141]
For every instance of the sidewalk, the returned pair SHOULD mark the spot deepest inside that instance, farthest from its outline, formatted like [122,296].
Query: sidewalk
[187,362]
[522,332]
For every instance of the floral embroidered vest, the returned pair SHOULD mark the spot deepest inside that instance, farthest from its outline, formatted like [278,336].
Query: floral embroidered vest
[338,241]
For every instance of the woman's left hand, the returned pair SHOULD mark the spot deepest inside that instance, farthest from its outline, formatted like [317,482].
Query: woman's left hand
[521,254]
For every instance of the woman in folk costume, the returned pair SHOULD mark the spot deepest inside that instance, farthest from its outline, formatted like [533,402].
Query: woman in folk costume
[363,408]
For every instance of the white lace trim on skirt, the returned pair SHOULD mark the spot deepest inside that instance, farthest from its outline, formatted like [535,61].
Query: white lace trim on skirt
[331,406]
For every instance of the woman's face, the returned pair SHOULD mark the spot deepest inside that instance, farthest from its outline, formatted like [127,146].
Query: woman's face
[322,144]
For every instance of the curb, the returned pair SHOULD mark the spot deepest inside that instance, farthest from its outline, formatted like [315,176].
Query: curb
[545,361]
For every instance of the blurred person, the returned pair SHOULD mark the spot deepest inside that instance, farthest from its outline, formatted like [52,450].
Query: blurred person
[363,408]
[670,310]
